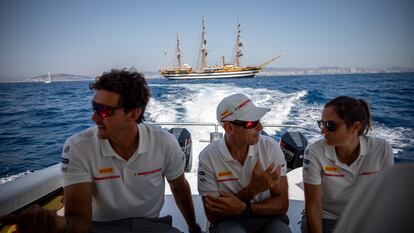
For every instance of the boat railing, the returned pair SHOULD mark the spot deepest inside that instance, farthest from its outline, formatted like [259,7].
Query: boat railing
[214,135]
[217,125]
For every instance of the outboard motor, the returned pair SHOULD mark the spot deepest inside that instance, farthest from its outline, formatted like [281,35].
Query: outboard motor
[214,136]
[293,145]
[183,137]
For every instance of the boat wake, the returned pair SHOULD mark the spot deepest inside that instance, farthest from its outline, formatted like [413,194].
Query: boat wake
[197,103]
[171,102]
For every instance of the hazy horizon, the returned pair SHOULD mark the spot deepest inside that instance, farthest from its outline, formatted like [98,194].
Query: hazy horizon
[90,37]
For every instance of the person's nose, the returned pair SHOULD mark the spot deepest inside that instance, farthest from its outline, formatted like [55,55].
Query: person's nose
[324,130]
[259,126]
[95,117]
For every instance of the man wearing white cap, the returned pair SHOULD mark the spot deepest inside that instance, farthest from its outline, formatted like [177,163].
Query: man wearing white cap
[242,176]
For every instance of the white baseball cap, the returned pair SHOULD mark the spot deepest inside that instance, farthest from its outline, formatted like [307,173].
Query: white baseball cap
[239,107]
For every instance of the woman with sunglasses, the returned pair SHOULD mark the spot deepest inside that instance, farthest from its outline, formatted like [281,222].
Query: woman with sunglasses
[333,167]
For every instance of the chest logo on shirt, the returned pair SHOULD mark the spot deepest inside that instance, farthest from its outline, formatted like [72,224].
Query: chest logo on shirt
[332,171]
[105,170]
[225,173]
[143,173]
[222,176]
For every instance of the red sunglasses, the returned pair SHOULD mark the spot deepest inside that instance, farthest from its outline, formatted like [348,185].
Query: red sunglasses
[245,124]
[104,110]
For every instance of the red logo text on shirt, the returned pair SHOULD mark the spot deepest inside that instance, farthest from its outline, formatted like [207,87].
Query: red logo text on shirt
[107,177]
[367,173]
[147,172]
[228,179]
[337,175]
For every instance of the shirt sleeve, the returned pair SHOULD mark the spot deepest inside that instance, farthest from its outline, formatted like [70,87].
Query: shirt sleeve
[311,167]
[277,156]
[388,156]
[74,169]
[207,182]
[175,161]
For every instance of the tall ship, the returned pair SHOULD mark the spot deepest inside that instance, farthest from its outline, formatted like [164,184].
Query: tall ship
[202,71]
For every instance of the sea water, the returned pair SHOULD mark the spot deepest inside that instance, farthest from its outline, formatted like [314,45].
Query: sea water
[36,118]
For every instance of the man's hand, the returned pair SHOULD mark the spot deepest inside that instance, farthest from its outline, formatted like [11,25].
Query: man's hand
[36,220]
[226,204]
[264,180]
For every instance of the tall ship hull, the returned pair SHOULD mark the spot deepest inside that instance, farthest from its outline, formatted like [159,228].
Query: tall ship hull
[211,75]
[232,70]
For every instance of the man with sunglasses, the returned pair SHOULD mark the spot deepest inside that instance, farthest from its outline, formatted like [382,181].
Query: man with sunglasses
[242,176]
[114,173]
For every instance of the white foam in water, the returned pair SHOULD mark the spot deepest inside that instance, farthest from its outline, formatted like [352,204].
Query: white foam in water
[161,112]
[286,108]
[13,177]
[398,137]
[306,116]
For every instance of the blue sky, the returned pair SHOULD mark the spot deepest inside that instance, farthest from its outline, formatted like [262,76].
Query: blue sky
[87,37]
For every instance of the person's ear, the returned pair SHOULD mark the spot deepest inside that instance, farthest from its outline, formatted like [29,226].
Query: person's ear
[356,127]
[228,127]
[134,114]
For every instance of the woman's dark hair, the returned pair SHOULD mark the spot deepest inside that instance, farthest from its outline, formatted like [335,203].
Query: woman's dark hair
[129,84]
[352,110]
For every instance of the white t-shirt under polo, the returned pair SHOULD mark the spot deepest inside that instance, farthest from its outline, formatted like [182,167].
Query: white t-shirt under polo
[218,170]
[321,166]
[123,189]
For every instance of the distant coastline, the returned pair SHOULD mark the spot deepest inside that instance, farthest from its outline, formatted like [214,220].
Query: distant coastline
[269,71]
[331,70]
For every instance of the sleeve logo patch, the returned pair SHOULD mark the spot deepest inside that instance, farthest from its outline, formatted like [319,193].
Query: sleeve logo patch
[201,173]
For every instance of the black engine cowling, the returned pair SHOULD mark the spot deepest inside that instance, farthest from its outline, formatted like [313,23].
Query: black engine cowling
[293,145]
[183,137]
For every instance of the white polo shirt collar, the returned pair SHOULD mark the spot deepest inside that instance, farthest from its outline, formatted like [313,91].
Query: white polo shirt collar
[108,151]
[143,139]
[363,149]
[224,150]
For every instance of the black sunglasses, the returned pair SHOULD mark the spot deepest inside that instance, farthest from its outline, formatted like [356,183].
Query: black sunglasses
[104,110]
[331,126]
[245,124]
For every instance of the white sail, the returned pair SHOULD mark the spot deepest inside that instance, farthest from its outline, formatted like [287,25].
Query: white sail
[49,79]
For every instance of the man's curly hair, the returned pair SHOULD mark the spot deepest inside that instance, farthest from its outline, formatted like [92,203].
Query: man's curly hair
[129,84]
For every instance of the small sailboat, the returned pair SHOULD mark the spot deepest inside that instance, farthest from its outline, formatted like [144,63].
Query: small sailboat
[49,79]
[232,70]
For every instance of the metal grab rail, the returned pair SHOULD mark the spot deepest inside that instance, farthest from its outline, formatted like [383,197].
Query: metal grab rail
[216,125]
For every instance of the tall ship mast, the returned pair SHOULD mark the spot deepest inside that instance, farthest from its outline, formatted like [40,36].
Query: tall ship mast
[202,71]
[238,53]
